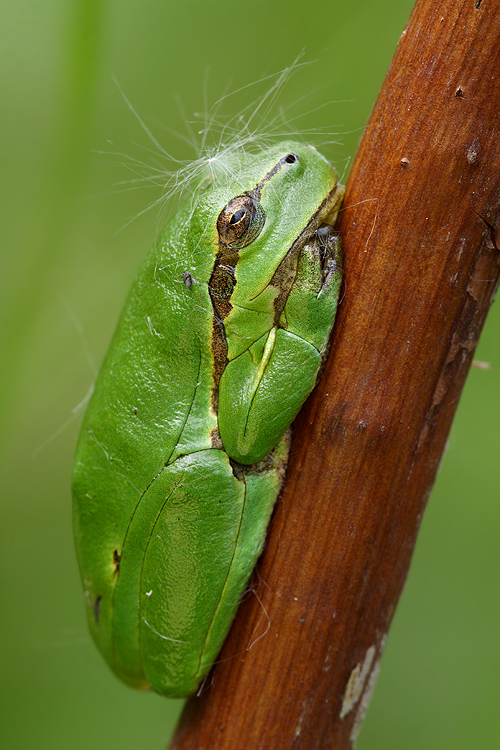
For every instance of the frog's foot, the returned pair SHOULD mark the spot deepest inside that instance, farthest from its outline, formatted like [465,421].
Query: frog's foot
[329,246]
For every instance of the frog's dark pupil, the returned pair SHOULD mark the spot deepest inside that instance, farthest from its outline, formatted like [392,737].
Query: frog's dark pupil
[237,216]
[291,158]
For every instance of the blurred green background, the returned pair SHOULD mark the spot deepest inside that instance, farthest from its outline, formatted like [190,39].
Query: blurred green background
[67,262]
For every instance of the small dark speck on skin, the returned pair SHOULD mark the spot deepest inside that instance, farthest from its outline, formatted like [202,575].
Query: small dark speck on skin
[302,619]
[478,3]
[97,609]
[135,410]
[188,279]
[116,561]
[459,93]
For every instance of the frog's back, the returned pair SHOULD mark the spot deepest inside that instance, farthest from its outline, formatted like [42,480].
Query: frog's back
[153,387]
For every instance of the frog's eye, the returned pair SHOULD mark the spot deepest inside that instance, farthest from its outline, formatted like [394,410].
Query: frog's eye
[291,158]
[240,222]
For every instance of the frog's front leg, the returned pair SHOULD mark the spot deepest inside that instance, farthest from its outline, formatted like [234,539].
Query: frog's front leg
[262,390]
[312,303]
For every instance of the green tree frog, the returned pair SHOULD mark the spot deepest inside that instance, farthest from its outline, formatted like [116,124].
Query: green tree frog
[184,444]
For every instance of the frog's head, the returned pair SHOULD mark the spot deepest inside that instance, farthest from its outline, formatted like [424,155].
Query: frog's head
[279,199]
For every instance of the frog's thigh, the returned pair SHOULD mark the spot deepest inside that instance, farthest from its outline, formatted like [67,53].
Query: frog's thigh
[189,552]
[253,412]
[199,555]
[261,491]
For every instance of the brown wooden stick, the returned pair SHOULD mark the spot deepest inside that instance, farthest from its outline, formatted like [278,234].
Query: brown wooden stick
[420,229]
